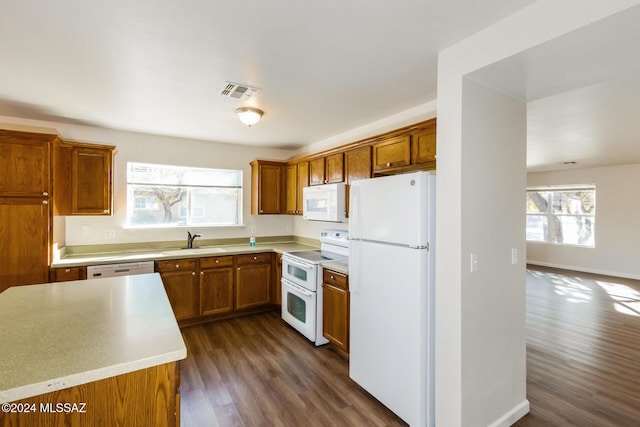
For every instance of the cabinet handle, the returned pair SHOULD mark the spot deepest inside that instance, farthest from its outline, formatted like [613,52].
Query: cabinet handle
[177,265]
[261,211]
[44,193]
[45,202]
[68,270]
[193,273]
[106,211]
[255,258]
[388,164]
[332,278]
[217,261]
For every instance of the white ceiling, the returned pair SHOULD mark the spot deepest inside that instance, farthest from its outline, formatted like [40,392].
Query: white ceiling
[323,68]
[152,66]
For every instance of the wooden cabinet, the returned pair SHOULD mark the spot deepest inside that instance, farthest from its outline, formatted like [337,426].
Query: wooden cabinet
[277,291]
[25,164]
[253,280]
[24,241]
[297,179]
[83,179]
[423,146]
[326,170]
[148,396]
[357,166]
[316,171]
[66,274]
[392,153]
[216,285]
[335,306]
[268,187]
[25,214]
[182,286]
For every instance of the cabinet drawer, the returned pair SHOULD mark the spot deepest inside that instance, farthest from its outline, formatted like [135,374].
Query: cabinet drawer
[254,258]
[67,274]
[217,261]
[336,279]
[175,265]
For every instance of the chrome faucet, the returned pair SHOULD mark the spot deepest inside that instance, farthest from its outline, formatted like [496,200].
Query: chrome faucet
[191,238]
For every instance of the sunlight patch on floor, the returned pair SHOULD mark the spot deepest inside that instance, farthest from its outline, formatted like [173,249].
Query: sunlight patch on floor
[627,300]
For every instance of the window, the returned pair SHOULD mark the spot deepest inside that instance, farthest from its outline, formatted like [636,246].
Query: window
[164,196]
[562,215]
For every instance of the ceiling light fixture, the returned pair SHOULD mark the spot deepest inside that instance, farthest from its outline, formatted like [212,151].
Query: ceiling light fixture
[249,116]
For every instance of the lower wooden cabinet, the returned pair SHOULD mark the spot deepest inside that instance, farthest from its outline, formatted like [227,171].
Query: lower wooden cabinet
[253,280]
[216,285]
[335,306]
[182,286]
[201,289]
[148,397]
[67,274]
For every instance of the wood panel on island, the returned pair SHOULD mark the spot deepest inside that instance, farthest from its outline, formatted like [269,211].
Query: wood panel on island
[277,186]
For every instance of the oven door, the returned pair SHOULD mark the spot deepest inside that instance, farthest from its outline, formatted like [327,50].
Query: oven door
[299,272]
[299,308]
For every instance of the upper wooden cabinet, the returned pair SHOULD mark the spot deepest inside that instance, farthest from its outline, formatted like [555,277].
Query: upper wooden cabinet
[423,146]
[357,164]
[268,181]
[392,153]
[83,179]
[326,170]
[297,179]
[25,163]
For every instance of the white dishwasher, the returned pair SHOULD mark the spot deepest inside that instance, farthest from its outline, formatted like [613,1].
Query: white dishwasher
[114,270]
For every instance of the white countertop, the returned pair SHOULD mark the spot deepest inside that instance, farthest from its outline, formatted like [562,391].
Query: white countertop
[60,335]
[157,255]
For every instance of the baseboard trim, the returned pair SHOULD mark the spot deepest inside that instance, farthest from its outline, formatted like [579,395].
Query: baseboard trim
[585,270]
[509,418]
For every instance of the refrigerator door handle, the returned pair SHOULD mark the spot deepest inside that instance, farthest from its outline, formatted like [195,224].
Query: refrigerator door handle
[354,212]
[354,266]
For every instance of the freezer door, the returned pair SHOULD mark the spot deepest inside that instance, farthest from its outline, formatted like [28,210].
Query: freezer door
[396,209]
[391,335]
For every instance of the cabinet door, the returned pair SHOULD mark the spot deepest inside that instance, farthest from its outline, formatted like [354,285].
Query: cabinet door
[24,164]
[216,290]
[392,153]
[334,168]
[424,146]
[67,274]
[303,181]
[91,181]
[24,242]
[316,171]
[182,291]
[357,166]
[267,187]
[292,189]
[252,285]
[335,317]
[277,288]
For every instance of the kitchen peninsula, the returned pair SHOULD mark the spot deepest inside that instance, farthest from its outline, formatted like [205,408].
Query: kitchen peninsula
[90,352]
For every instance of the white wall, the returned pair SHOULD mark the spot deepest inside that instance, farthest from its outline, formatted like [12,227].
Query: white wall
[617,230]
[471,389]
[138,147]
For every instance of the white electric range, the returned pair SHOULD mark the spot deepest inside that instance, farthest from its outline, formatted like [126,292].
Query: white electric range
[302,283]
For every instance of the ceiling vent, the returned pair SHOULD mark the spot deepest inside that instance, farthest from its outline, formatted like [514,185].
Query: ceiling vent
[237,90]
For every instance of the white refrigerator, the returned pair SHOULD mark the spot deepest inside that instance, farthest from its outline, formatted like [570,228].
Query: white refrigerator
[391,280]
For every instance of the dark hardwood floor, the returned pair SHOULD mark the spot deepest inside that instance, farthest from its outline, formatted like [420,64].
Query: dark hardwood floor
[583,349]
[583,364]
[257,371]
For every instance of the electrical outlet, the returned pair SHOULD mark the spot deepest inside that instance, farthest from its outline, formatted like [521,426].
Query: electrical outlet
[289,228]
[253,229]
[514,255]
[109,234]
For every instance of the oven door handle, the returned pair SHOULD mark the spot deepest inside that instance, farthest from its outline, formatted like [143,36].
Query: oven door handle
[297,288]
[299,264]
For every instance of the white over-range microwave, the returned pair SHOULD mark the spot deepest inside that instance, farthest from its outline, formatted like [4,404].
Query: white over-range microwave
[324,202]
